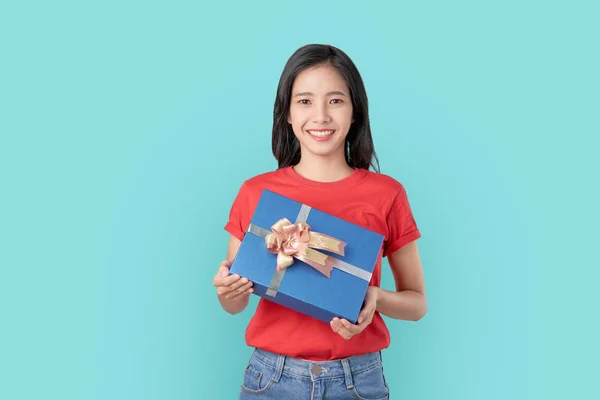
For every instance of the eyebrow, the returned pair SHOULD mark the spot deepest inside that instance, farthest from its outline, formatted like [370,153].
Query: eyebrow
[312,94]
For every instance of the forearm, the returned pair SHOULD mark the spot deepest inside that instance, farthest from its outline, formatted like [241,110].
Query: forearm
[406,304]
[235,305]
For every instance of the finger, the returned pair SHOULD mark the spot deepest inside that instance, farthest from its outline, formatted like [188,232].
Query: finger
[218,277]
[224,268]
[365,314]
[222,272]
[336,324]
[230,280]
[345,334]
[234,295]
[351,327]
[224,285]
[225,288]
[339,328]
[226,291]
[366,322]
[236,285]
[225,265]
[220,282]
[346,329]
[242,291]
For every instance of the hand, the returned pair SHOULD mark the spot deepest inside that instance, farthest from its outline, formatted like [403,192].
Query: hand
[347,329]
[231,287]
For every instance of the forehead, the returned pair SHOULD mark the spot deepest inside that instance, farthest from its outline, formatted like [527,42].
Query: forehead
[319,79]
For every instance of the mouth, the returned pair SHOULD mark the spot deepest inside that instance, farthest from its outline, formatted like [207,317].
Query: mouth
[320,133]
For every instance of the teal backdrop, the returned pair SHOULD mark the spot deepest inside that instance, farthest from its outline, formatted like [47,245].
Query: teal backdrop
[127,128]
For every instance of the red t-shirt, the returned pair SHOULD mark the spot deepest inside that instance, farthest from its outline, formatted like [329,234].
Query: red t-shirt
[372,200]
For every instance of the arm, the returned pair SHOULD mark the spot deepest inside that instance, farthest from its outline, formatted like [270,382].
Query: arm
[233,291]
[409,301]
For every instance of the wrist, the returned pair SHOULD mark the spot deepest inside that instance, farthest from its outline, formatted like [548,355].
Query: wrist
[377,294]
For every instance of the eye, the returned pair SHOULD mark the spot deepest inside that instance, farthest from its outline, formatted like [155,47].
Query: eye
[337,100]
[301,101]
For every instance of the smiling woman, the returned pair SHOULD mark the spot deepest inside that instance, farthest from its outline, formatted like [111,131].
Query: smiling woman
[322,142]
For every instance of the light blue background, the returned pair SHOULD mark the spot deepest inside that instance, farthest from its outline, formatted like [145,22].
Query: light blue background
[127,128]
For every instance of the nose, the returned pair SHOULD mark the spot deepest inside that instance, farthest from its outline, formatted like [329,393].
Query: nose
[320,114]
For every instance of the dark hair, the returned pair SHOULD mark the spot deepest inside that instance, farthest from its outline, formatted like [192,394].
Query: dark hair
[360,151]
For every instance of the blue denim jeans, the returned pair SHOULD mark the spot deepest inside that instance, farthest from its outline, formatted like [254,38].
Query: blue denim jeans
[273,376]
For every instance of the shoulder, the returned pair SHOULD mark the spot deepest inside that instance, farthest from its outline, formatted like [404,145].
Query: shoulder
[258,182]
[252,187]
[382,183]
[263,177]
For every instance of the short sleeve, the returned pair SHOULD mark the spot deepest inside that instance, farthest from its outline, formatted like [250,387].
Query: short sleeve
[239,215]
[402,228]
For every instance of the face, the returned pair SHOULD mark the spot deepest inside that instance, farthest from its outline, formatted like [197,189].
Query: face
[321,111]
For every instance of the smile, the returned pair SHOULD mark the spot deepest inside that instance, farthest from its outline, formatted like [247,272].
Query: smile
[321,133]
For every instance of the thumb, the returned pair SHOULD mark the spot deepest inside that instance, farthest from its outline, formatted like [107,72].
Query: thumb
[362,316]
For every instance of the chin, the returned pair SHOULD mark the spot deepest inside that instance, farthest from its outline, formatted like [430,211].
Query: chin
[323,152]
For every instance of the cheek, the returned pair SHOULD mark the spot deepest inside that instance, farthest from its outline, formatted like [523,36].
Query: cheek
[345,116]
[297,117]
[350,114]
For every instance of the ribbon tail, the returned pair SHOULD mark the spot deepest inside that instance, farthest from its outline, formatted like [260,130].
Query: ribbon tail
[325,242]
[324,268]
[283,261]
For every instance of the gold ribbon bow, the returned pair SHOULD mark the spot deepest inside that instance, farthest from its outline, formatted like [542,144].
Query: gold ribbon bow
[290,241]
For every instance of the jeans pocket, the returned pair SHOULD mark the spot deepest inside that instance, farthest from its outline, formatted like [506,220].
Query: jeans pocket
[258,377]
[370,384]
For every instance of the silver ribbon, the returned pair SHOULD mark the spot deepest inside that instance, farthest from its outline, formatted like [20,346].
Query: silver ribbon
[277,277]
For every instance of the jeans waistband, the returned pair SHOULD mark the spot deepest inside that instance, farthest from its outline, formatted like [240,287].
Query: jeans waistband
[318,369]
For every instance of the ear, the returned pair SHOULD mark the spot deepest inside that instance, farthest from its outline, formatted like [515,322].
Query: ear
[289,118]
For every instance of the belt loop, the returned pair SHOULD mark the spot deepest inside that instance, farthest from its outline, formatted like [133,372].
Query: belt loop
[347,373]
[279,367]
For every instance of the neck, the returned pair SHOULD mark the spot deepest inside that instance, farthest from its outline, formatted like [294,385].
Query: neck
[323,169]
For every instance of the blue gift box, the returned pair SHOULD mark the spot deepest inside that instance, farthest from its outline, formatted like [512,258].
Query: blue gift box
[301,287]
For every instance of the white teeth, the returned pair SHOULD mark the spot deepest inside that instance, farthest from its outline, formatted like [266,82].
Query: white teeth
[320,133]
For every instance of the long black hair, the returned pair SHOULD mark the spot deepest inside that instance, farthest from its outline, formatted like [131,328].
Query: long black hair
[360,151]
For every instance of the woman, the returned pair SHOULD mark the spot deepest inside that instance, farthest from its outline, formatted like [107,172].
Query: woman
[322,141]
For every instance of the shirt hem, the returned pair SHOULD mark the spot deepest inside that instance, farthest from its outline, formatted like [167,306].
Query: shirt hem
[398,244]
